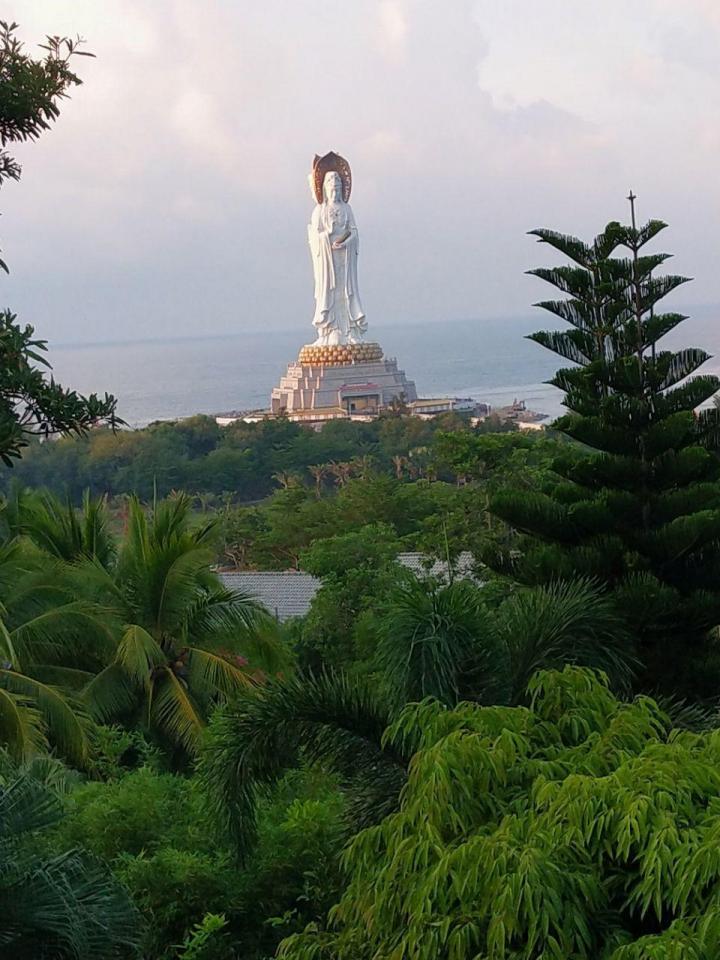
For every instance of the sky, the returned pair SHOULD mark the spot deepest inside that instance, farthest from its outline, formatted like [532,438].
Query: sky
[171,197]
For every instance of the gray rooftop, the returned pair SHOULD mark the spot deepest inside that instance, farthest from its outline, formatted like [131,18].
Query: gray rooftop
[289,593]
[285,593]
[424,566]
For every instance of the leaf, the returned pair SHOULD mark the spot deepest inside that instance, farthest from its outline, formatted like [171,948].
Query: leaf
[176,712]
[139,654]
[67,726]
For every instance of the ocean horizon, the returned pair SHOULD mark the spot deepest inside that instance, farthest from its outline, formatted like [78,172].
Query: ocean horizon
[489,359]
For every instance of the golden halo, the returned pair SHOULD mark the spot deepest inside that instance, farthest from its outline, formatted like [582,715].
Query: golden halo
[331,162]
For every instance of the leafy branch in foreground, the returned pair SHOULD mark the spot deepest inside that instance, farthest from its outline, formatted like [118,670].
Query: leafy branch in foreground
[31,405]
[30,89]
[579,826]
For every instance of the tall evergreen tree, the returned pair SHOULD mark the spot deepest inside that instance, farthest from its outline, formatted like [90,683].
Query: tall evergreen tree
[636,503]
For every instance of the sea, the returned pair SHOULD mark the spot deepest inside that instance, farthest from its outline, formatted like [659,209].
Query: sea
[487,359]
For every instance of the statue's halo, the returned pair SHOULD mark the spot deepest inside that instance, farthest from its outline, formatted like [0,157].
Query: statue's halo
[331,162]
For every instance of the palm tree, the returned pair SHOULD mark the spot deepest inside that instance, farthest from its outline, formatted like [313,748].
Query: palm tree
[362,466]
[287,480]
[183,636]
[51,642]
[332,718]
[443,641]
[66,907]
[65,533]
[399,464]
[342,471]
[318,472]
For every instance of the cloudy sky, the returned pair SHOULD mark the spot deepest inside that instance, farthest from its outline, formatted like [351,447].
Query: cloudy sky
[171,196]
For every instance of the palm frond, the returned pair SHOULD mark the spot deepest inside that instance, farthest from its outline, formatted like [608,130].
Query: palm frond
[66,723]
[21,726]
[335,720]
[176,712]
[26,806]
[139,654]
[566,622]
[67,906]
[109,694]
[431,631]
[213,673]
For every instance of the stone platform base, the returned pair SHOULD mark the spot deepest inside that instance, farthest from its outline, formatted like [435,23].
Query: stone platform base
[343,386]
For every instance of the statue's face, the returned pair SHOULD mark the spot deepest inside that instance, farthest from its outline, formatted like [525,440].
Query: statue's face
[333,186]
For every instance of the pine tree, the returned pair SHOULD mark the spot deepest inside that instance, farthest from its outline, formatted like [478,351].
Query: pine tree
[636,503]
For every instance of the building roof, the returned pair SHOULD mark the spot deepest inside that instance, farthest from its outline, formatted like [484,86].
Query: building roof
[285,593]
[463,565]
[289,593]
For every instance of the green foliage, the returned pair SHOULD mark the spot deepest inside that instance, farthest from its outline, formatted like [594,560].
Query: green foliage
[31,89]
[154,642]
[62,906]
[578,826]
[357,570]
[30,404]
[179,631]
[207,940]
[153,829]
[50,641]
[244,462]
[431,640]
[638,507]
[456,641]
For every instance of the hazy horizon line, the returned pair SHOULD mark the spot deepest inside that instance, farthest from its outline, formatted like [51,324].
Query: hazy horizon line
[532,311]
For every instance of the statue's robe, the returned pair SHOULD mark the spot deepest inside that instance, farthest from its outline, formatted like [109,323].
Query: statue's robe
[339,316]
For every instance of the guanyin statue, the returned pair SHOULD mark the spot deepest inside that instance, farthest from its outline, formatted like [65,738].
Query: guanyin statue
[333,235]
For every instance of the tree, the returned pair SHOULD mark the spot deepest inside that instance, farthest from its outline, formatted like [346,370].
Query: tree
[50,640]
[182,638]
[579,826]
[30,404]
[448,642]
[356,569]
[65,533]
[638,506]
[67,906]
[318,471]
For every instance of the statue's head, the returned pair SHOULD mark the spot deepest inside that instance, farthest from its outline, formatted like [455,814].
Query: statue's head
[332,186]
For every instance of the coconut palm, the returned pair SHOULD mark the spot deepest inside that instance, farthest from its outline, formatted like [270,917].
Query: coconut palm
[318,471]
[398,462]
[68,906]
[341,470]
[66,533]
[183,637]
[50,642]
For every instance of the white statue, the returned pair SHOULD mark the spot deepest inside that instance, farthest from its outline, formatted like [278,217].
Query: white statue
[333,236]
